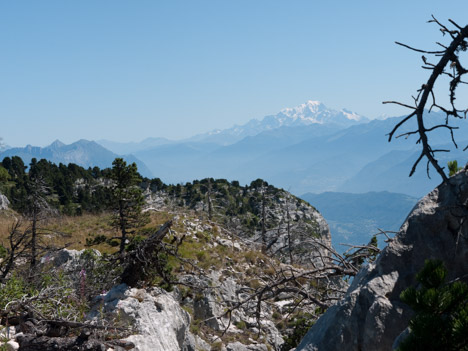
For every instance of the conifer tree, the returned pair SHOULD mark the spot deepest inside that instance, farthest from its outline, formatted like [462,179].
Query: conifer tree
[441,311]
[127,200]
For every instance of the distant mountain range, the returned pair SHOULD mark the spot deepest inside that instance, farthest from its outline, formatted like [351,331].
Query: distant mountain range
[309,113]
[308,148]
[131,147]
[83,153]
[355,218]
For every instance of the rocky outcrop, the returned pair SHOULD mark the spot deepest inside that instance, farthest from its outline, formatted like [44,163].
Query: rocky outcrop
[371,315]
[4,203]
[293,230]
[160,322]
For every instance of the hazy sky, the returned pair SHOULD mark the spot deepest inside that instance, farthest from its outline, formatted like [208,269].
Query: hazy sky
[127,70]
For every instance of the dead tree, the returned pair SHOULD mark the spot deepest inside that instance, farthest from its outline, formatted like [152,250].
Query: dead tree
[288,226]
[36,209]
[14,249]
[209,200]
[140,260]
[265,199]
[321,285]
[210,195]
[449,65]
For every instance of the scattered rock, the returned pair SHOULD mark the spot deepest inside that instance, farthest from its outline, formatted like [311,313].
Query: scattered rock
[12,345]
[67,258]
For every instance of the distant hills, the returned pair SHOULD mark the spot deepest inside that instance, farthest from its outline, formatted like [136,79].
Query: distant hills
[354,218]
[83,153]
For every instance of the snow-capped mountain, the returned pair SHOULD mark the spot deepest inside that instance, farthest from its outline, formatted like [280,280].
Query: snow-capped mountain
[311,112]
[316,112]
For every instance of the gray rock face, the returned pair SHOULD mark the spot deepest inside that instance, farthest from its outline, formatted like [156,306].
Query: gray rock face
[371,316]
[4,203]
[161,323]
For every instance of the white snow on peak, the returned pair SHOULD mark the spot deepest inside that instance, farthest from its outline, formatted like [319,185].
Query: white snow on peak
[316,112]
[351,115]
[308,113]
[303,109]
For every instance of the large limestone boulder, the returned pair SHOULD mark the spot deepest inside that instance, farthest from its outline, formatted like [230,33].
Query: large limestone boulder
[161,324]
[371,315]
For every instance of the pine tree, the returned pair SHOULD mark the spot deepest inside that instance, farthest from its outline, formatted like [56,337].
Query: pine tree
[127,200]
[441,311]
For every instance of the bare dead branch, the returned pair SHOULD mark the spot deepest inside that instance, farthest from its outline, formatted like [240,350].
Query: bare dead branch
[450,54]
[419,50]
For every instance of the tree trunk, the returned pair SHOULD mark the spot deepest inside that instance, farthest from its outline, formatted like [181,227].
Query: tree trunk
[34,240]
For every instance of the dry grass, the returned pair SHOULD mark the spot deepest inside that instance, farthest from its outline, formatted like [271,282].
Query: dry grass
[72,232]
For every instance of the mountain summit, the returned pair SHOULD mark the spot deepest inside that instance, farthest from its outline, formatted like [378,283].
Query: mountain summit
[311,112]
[316,112]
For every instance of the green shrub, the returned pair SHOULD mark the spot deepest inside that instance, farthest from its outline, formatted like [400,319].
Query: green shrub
[96,240]
[3,252]
[453,167]
[14,288]
[241,325]
[441,311]
[300,325]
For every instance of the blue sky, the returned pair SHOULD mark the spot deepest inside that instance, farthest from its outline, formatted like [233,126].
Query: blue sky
[127,70]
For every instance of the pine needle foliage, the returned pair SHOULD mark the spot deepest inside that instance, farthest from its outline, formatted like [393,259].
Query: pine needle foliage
[453,167]
[127,200]
[441,311]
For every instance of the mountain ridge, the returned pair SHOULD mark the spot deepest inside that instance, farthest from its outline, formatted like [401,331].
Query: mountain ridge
[83,152]
[306,114]
[311,112]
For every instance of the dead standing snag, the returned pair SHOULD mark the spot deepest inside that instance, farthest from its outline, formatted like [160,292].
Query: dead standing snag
[449,65]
